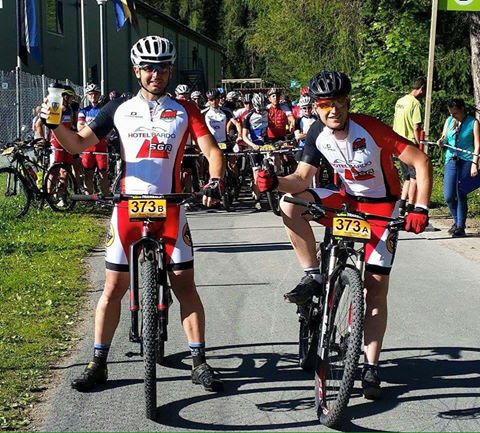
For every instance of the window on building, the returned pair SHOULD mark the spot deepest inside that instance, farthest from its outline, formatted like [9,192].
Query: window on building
[55,16]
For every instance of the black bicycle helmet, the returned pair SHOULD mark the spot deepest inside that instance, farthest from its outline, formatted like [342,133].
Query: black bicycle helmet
[247,98]
[212,94]
[329,84]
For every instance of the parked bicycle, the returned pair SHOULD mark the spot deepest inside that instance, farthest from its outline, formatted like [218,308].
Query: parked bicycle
[148,273]
[331,325]
[30,178]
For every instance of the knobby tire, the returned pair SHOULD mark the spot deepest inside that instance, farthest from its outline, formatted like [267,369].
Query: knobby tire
[15,197]
[339,379]
[149,334]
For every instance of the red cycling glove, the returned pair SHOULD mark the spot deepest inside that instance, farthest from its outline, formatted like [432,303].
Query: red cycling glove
[266,181]
[416,220]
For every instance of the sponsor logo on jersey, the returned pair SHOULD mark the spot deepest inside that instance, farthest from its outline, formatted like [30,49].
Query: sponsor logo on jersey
[168,115]
[359,144]
[150,133]
[110,236]
[391,242]
[134,114]
[353,174]
[187,237]
[154,149]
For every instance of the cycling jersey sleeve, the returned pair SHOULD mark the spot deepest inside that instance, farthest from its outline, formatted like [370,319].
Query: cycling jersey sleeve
[196,124]
[81,115]
[103,122]
[311,155]
[384,136]
[298,126]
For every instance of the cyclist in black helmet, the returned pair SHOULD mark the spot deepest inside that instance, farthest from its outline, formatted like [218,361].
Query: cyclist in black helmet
[360,149]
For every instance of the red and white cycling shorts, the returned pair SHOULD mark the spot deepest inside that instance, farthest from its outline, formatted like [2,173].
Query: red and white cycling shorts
[60,155]
[174,231]
[91,160]
[380,250]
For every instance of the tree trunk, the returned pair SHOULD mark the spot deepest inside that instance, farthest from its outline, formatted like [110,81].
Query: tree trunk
[475,48]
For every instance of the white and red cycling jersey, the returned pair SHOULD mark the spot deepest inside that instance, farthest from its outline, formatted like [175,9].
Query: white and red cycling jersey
[363,160]
[152,136]
[370,181]
[60,155]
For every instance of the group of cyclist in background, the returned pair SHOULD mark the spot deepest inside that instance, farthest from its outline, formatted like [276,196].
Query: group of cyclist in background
[241,122]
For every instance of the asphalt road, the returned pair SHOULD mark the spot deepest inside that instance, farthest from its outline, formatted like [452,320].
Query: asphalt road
[244,263]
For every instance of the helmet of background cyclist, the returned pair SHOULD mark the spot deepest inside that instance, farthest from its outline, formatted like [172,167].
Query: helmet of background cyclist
[182,89]
[258,101]
[329,84]
[212,94]
[233,96]
[68,91]
[153,50]
[273,91]
[196,94]
[247,98]
[305,101]
[92,87]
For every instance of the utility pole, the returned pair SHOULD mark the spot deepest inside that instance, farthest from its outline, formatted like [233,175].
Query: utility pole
[101,4]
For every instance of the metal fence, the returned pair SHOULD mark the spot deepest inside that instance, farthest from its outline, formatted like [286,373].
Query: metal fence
[31,89]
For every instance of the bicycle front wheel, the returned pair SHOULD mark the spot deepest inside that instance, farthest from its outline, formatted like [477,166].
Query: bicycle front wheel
[308,337]
[15,196]
[149,335]
[60,185]
[335,374]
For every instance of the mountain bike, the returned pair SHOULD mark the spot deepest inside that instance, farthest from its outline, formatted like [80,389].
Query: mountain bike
[331,324]
[148,274]
[28,178]
[276,160]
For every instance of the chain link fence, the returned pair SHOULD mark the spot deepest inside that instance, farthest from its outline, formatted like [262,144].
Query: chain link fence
[31,89]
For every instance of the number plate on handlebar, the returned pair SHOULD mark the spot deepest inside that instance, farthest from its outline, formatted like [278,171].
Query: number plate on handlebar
[147,209]
[8,151]
[348,227]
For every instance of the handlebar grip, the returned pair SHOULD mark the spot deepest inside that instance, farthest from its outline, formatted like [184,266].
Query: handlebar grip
[295,200]
[83,197]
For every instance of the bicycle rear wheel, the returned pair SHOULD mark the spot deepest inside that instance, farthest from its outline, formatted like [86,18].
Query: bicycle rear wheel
[335,374]
[60,185]
[15,197]
[150,334]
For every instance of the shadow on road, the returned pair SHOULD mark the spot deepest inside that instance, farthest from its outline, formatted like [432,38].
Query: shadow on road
[246,248]
[444,370]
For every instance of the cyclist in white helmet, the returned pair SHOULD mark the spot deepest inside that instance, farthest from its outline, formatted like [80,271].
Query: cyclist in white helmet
[182,91]
[153,129]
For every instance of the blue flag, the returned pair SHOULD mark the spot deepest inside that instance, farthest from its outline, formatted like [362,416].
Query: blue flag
[125,10]
[29,31]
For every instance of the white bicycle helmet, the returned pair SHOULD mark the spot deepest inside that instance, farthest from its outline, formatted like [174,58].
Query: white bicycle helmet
[182,89]
[233,96]
[258,101]
[92,87]
[305,101]
[196,94]
[153,49]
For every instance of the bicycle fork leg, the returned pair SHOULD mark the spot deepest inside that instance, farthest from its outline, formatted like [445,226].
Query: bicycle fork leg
[134,295]
[163,296]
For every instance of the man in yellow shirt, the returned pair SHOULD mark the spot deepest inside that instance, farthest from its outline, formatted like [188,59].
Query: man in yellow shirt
[408,123]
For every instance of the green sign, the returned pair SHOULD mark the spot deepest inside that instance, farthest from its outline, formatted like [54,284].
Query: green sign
[459,5]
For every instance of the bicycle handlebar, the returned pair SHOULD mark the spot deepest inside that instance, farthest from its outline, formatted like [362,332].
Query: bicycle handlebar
[179,198]
[319,210]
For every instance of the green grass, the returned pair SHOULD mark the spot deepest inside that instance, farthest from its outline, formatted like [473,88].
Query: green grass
[42,286]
